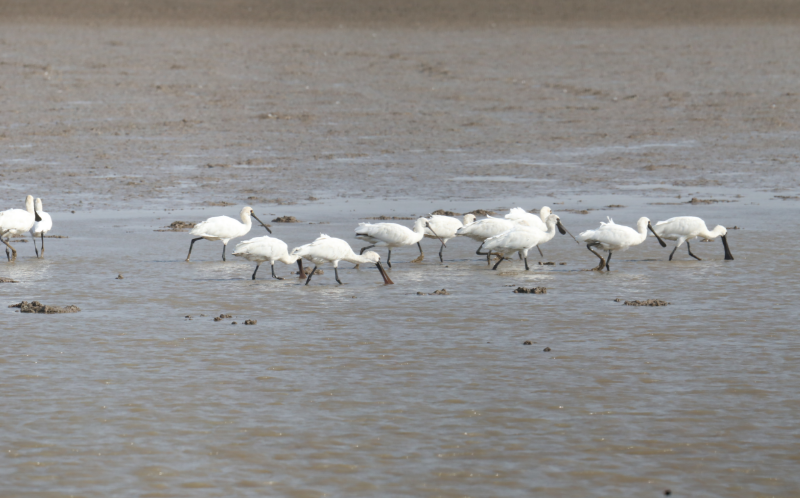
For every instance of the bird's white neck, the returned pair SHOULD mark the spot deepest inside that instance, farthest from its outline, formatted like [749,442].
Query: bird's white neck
[246,219]
[713,234]
[641,228]
[289,259]
[357,259]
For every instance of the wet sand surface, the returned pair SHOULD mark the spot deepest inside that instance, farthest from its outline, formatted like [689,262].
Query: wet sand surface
[372,390]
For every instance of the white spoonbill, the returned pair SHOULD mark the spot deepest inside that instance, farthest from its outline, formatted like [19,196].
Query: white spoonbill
[332,250]
[392,235]
[15,222]
[612,237]
[224,228]
[40,227]
[445,227]
[519,239]
[685,228]
[266,248]
[519,214]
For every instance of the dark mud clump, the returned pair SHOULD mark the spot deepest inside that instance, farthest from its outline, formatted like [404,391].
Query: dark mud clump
[442,292]
[442,212]
[648,302]
[250,322]
[383,217]
[788,197]
[4,280]
[695,200]
[546,350]
[177,226]
[37,307]
[286,219]
[531,290]
[119,277]
[548,263]
[222,317]
[307,271]
[482,212]
[527,343]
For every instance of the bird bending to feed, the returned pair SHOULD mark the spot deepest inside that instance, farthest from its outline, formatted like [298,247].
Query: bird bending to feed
[331,250]
[392,235]
[15,222]
[40,227]
[519,239]
[685,228]
[445,227]
[266,248]
[612,237]
[224,228]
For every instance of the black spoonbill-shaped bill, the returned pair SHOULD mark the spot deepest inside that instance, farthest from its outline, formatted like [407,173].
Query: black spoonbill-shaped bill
[266,248]
[332,250]
[685,228]
[224,228]
[15,222]
[40,227]
[519,239]
[445,228]
[612,237]
[392,235]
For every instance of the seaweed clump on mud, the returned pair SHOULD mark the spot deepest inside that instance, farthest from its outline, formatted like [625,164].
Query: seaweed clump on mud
[177,226]
[530,290]
[4,280]
[648,302]
[442,292]
[37,307]
[286,219]
[442,212]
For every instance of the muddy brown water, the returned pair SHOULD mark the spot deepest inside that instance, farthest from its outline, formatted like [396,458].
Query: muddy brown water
[371,390]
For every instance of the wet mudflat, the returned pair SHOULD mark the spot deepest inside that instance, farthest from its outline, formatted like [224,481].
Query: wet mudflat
[365,389]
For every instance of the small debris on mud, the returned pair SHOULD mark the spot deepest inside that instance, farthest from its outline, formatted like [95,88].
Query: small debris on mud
[37,307]
[286,219]
[532,290]
[233,323]
[482,212]
[612,206]
[188,317]
[562,264]
[695,200]
[222,317]
[119,277]
[250,322]
[209,165]
[307,271]
[311,198]
[384,217]
[549,263]
[442,292]
[546,350]
[16,241]
[527,343]
[578,211]
[442,212]
[734,228]
[4,280]
[649,302]
[56,237]
[788,197]
[177,226]
[667,492]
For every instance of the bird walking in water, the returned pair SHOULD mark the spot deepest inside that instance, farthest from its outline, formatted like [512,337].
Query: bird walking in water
[685,228]
[332,250]
[445,227]
[15,222]
[266,248]
[224,228]
[519,239]
[393,235]
[612,237]
[40,227]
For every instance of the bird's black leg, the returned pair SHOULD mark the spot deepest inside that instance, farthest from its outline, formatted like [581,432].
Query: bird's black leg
[690,252]
[540,251]
[254,271]
[192,245]
[365,248]
[488,259]
[526,264]
[223,251]
[8,246]
[602,259]
[441,259]
[389,259]
[273,272]
[311,274]
[672,253]
[420,249]
[34,246]
[608,268]
[502,258]
[42,245]
[336,273]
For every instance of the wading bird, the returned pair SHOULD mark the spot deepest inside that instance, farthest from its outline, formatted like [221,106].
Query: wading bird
[15,222]
[518,214]
[445,227]
[392,235]
[40,227]
[224,228]
[331,250]
[685,228]
[519,239]
[266,248]
[612,237]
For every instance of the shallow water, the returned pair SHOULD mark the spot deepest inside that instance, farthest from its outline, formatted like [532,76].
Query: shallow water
[371,390]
